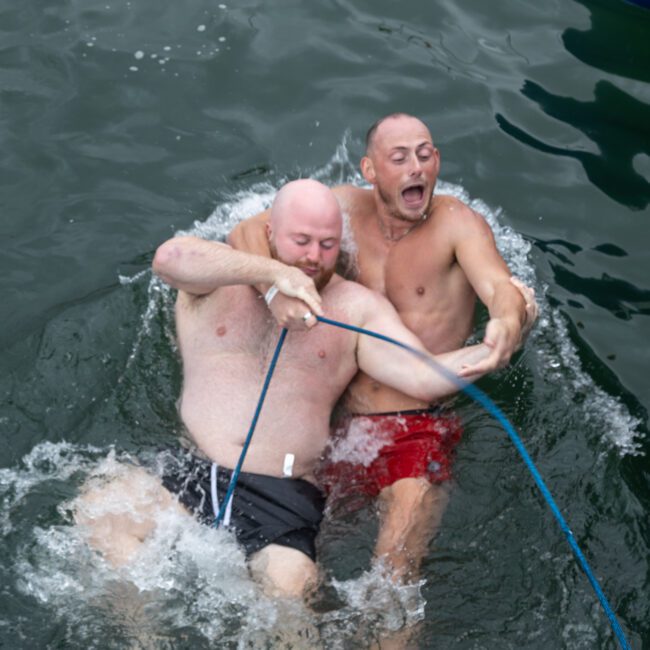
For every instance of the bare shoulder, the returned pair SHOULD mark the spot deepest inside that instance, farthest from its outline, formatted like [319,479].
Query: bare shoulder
[353,298]
[457,217]
[352,198]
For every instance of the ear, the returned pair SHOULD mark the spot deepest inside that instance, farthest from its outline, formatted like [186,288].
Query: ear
[368,170]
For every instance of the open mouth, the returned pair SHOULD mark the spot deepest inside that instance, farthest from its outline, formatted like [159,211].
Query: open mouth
[413,194]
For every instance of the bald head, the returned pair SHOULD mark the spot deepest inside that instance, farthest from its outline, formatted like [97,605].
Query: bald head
[389,124]
[305,227]
[304,200]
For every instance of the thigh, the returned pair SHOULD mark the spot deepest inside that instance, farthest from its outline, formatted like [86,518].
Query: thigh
[283,571]
[117,514]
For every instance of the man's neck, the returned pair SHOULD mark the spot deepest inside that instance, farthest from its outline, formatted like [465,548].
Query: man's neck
[393,227]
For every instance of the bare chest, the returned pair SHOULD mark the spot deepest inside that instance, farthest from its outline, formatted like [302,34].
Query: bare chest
[233,327]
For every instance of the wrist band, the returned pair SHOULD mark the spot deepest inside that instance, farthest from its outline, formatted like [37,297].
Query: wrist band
[270,294]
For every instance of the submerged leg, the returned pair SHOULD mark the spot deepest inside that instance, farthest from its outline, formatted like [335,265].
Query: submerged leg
[119,515]
[410,511]
[284,571]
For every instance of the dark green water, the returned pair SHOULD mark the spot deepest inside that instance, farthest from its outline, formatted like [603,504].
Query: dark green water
[124,122]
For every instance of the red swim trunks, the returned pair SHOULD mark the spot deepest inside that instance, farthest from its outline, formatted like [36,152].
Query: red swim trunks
[373,451]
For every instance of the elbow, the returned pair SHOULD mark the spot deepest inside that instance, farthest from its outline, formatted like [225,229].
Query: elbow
[168,258]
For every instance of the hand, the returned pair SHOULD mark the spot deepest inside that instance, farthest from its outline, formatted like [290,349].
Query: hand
[297,296]
[532,308]
[501,337]
[290,313]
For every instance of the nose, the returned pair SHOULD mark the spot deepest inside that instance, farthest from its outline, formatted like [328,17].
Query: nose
[313,253]
[415,168]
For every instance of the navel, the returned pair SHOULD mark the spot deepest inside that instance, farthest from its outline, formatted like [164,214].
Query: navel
[221,330]
[420,291]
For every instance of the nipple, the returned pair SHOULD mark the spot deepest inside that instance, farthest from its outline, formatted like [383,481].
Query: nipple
[420,291]
[322,354]
[221,330]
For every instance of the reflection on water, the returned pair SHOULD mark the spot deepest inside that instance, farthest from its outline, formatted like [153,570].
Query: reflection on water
[621,298]
[616,42]
[616,122]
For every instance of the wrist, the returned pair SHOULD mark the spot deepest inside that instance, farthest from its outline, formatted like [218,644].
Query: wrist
[271,293]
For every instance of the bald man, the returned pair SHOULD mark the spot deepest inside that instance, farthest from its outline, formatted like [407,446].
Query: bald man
[431,256]
[226,337]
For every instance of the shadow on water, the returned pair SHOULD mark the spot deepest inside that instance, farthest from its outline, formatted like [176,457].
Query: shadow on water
[623,299]
[616,122]
[616,42]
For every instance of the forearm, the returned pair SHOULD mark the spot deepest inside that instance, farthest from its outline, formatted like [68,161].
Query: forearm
[428,377]
[420,375]
[440,376]
[507,304]
[198,267]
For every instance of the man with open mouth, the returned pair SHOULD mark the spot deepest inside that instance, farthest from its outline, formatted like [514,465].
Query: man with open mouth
[432,256]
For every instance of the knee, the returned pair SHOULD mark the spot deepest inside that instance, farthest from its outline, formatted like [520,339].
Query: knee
[284,571]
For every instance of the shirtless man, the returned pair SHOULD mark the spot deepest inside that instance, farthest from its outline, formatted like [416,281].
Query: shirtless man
[226,337]
[431,256]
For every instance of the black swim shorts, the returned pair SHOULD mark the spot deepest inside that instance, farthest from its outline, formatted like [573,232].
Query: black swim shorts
[265,510]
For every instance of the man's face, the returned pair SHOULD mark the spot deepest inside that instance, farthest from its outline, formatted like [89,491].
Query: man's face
[309,240]
[403,165]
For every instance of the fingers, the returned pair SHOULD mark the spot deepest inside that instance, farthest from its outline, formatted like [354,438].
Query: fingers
[293,313]
[309,320]
[293,283]
[532,308]
[528,294]
[312,299]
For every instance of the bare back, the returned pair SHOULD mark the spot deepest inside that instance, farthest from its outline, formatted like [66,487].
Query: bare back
[421,277]
[227,339]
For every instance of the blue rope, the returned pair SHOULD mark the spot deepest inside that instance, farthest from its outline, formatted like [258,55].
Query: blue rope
[247,442]
[494,410]
[482,399]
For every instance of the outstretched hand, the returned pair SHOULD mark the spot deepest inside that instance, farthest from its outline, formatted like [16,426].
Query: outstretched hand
[504,337]
[297,302]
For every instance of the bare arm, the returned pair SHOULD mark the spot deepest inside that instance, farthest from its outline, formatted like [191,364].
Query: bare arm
[198,267]
[510,307]
[249,235]
[401,369]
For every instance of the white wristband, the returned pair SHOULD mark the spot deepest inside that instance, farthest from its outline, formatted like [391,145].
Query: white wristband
[270,294]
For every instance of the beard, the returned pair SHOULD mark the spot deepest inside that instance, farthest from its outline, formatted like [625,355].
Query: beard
[320,280]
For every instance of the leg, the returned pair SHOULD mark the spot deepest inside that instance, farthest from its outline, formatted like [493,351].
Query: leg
[284,571]
[118,516]
[410,511]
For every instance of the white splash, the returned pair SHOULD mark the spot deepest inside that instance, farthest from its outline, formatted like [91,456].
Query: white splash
[361,445]
[376,605]
[185,575]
